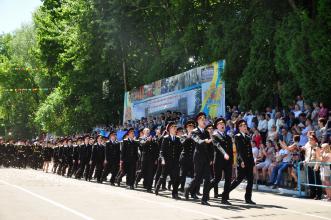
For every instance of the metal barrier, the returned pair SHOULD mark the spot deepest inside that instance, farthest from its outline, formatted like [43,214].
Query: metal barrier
[306,183]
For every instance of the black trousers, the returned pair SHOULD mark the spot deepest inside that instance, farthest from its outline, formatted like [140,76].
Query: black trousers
[81,168]
[220,168]
[147,172]
[243,173]
[129,169]
[171,170]
[186,170]
[314,178]
[201,173]
[98,166]
[110,168]
[158,175]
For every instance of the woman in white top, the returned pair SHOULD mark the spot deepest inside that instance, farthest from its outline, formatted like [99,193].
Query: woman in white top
[325,156]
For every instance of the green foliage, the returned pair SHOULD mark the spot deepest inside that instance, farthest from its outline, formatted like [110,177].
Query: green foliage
[272,49]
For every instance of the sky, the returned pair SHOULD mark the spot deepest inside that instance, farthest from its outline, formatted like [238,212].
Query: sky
[13,13]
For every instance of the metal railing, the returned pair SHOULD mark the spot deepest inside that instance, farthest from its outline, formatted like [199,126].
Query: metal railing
[306,183]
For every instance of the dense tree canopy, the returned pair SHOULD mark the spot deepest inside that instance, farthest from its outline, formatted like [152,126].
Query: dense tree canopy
[89,52]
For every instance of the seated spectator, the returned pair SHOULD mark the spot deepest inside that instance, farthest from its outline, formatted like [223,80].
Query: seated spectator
[323,112]
[273,134]
[263,127]
[269,153]
[297,111]
[314,114]
[284,158]
[256,137]
[286,136]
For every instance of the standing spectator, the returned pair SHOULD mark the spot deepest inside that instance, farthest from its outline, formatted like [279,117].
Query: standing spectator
[304,133]
[314,177]
[325,156]
[321,129]
[263,127]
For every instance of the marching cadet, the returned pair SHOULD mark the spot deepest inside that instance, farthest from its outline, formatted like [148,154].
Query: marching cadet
[47,155]
[112,158]
[186,156]
[210,130]
[245,160]
[83,158]
[159,138]
[85,152]
[56,159]
[170,151]
[69,157]
[149,156]
[223,158]
[63,157]
[36,156]
[201,160]
[74,157]
[129,158]
[97,158]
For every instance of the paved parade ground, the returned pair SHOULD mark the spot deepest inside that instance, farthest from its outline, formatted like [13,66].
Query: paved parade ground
[30,194]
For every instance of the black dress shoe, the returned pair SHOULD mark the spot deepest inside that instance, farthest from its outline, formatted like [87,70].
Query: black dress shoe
[199,194]
[157,191]
[274,186]
[112,184]
[250,202]
[226,202]
[204,203]
[149,191]
[186,194]
[215,196]
[317,198]
[195,197]
[175,196]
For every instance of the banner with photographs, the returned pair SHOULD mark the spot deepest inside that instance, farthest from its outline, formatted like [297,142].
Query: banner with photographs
[199,89]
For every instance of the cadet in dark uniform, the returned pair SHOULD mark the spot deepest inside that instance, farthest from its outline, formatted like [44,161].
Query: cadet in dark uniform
[112,158]
[186,157]
[83,158]
[47,155]
[62,156]
[129,158]
[56,159]
[98,158]
[223,158]
[245,160]
[75,157]
[149,156]
[201,160]
[171,149]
